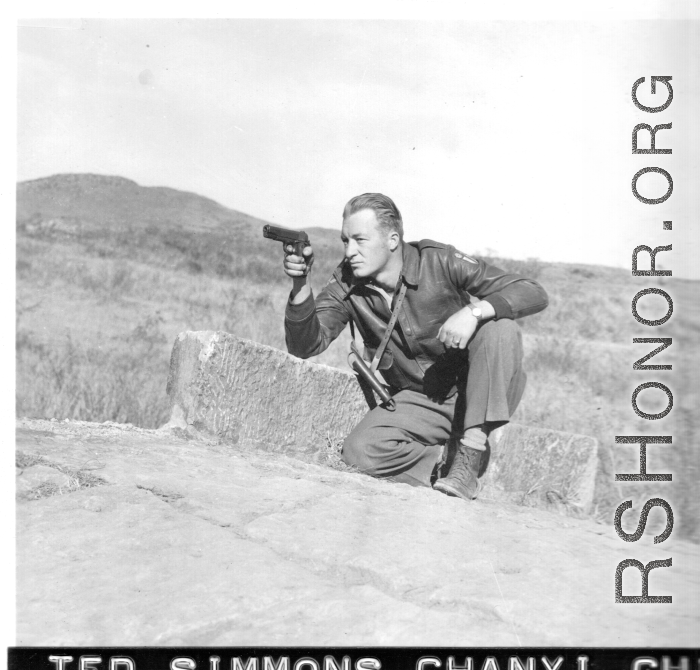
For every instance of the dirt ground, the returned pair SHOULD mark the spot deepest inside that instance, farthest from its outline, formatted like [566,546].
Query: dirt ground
[128,536]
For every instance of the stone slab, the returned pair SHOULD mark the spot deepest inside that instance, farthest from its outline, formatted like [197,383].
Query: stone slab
[192,541]
[258,397]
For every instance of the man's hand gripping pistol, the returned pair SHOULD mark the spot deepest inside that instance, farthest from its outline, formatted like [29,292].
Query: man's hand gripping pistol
[296,238]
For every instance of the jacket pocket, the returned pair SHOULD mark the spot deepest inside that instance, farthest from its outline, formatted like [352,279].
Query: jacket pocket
[386,361]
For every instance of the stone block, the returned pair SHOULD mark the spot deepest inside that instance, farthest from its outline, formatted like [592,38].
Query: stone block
[257,397]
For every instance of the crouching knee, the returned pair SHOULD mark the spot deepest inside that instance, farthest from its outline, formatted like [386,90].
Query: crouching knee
[502,332]
[355,453]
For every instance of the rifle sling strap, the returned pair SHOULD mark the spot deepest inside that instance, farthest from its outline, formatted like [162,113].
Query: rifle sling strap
[389,329]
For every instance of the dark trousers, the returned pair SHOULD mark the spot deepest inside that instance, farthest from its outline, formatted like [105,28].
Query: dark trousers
[406,444]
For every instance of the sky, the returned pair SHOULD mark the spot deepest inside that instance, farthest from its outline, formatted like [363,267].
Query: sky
[508,137]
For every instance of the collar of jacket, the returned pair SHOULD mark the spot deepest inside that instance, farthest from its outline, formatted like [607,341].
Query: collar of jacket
[409,270]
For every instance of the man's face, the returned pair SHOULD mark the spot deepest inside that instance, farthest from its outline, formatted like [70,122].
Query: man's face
[367,246]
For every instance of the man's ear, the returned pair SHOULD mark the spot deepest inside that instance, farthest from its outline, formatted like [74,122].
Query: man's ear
[394,241]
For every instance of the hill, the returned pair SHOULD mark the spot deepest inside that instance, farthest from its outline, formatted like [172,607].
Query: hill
[109,272]
[113,217]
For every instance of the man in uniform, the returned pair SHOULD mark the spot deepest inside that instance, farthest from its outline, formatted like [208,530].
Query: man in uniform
[453,364]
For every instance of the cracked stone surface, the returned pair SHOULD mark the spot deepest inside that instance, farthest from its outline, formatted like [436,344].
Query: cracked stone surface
[193,542]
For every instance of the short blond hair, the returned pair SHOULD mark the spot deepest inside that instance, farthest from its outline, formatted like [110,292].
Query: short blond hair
[387,213]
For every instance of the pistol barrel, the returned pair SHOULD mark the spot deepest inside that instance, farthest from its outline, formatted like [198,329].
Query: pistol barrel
[288,235]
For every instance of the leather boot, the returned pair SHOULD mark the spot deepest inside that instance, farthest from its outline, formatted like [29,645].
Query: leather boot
[462,481]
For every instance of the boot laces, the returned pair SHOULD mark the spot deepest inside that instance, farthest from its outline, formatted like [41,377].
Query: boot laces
[465,467]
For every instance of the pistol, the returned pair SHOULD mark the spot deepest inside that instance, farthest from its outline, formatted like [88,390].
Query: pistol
[358,364]
[298,238]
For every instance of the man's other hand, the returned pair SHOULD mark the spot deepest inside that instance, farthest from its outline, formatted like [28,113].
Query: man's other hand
[456,332]
[297,266]
[458,329]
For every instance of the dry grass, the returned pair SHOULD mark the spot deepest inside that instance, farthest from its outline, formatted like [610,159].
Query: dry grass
[330,454]
[69,379]
[77,479]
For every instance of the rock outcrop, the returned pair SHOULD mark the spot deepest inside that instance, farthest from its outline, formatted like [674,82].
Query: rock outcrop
[168,538]
[257,397]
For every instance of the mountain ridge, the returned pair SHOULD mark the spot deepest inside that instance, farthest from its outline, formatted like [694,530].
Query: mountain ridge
[111,199]
[81,198]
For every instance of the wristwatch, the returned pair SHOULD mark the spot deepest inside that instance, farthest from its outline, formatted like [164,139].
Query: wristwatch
[476,311]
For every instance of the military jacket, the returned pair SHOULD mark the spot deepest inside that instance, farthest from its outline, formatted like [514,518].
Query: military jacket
[440,280]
